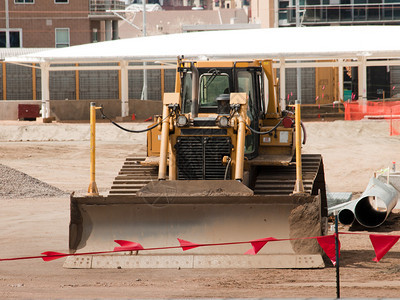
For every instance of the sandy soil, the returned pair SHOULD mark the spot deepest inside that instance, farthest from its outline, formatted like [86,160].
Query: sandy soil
[58,154]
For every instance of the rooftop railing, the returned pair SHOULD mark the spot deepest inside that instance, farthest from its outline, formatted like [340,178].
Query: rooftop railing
[102,7]
[344,13]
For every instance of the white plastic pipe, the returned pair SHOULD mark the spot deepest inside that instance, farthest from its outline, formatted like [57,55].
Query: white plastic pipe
[365,211]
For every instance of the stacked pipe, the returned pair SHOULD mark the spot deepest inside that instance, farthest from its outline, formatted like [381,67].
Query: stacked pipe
[373,207]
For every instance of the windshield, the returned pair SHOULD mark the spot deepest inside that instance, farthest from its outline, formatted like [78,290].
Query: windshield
[211,86]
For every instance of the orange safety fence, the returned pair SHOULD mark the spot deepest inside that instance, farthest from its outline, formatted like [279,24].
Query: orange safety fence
[381,243]
[387,110]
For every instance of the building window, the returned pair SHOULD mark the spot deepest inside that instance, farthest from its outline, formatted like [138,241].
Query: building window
[14,38]
[62,37]
[61,1]
[24,1]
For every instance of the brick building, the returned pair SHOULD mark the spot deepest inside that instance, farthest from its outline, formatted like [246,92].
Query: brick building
[56,23]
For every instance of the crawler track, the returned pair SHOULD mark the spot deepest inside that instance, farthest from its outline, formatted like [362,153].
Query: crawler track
[132,177]
[270,180]
[274,180]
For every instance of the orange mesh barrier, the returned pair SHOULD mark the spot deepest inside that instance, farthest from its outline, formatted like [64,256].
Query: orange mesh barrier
[389,110]
[395,121]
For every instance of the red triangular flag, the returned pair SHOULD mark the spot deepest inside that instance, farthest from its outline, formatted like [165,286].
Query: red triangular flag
[127,246]
[382,244]
[50,255]
[257,245]
[327,243]
[186,245]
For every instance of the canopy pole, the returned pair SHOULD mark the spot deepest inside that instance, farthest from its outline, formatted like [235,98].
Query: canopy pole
[7,24]
[45,74]
[340,73]
[124,89]
[362,82]
[364,78]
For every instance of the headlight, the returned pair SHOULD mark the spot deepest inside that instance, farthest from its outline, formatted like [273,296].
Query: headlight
[223,122]
[181,121]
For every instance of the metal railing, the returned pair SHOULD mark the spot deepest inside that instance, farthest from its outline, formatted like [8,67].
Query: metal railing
[345,13]
[102,7]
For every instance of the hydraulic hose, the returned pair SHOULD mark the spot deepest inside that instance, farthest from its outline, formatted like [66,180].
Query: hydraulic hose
[265,132]
[227,168]
[304,132]
[276,126]
[129,130]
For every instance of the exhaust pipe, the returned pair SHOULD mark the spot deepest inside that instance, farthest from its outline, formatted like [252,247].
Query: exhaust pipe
[373,207]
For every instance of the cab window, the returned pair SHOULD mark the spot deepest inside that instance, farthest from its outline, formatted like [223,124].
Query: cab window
[246,85]
[211,86]
[187,92]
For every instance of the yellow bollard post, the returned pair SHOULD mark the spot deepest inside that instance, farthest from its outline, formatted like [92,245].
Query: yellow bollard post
[92,190]
[162,168]
[298,188]
[239,164]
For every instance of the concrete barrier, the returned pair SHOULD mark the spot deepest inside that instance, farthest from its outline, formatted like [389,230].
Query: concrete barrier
[78,110]
[9,108]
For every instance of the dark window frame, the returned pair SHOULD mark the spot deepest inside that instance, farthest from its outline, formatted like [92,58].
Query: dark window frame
[24,1]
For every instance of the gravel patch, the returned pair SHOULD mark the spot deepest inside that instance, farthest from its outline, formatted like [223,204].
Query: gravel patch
[16,184]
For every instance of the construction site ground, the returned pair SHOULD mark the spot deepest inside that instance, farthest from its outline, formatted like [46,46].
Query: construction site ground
[34,218]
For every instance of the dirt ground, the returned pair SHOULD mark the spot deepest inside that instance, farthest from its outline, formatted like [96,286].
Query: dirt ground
[58,154]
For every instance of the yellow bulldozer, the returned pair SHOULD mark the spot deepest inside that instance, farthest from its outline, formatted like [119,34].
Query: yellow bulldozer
[220,170]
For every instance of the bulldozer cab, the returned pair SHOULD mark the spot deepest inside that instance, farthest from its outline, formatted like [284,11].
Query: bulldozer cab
[206,106]
[215,87]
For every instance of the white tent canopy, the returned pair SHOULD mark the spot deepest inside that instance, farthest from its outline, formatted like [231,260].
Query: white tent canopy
[294,43]
[290,47]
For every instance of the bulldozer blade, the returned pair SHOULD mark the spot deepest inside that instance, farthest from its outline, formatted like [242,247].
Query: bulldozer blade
[157,215]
